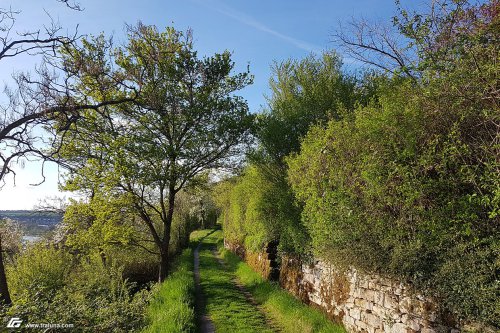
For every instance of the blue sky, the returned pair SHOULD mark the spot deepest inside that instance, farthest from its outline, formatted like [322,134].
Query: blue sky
[257,32]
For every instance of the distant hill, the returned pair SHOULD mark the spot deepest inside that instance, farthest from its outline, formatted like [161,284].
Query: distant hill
[34,223]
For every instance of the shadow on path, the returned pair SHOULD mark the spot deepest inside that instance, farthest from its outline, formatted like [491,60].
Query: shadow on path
[205,325]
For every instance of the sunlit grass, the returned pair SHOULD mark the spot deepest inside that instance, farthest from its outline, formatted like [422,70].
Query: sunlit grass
[172,309]
[196,235]
[284,309]
[226,305]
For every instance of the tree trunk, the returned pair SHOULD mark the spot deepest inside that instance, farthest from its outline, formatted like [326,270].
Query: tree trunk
[4,288]
[103,256]
[163,265]
[167,224]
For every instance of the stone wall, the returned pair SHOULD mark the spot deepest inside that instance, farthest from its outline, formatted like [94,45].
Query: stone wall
[263,262]
[361,302]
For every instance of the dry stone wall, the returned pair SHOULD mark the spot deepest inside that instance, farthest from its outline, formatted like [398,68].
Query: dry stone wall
[368,302]
[361,302]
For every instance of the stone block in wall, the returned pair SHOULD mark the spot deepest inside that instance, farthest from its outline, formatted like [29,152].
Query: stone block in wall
[355,313]
[291,278]
[259,263]
[378,297]
[391,302]
[379,311]
[412,324]
[349,321]
[397,328]
[427,330]
[236,248]
[369,295]
[361,325]
[372,320]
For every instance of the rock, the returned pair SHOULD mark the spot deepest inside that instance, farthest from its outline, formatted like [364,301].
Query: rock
[355,313]
[369,295]
[379,311]
[414,325]
[360,303]
[391,303]
[378,297]
[349,305]
[398,328]
[360,325]
[349,321]
[427,330]
[373,320]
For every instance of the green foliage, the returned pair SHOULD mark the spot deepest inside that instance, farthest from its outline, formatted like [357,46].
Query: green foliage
[171,309]
[101,223]
[50,286]
[409,186]
[259,207]
[11,236]
[398,175]
[39,269]
[303,92]
[256,211]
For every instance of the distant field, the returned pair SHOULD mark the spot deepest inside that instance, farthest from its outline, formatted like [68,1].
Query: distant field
[34,223]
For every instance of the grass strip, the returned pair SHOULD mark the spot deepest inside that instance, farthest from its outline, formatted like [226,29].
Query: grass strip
[172,308]
[226,305]
[283,308]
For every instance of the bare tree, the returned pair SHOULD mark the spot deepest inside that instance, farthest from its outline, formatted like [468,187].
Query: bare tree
[415,40]
[377,45]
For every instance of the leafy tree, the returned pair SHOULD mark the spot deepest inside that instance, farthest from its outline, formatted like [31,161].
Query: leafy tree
[304,93]
[185,120]
[36,100]
[99,225]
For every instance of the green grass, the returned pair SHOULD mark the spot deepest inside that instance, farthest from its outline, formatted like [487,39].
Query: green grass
[284,309]
[226,306]
[172,308]
[197,235]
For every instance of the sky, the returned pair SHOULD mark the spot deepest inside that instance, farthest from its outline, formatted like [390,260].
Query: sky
[257,32]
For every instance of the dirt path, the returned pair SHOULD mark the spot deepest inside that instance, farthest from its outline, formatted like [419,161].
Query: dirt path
[204,323]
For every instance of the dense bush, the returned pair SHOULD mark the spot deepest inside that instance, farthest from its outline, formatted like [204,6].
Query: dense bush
[259,206]
[50,285]
[256,211]
[410,185]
